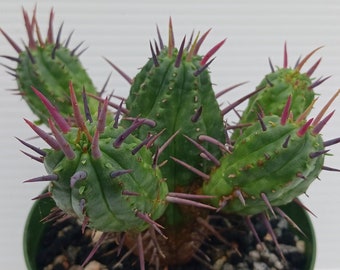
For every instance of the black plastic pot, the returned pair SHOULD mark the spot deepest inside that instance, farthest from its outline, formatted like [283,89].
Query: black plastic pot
[35,229]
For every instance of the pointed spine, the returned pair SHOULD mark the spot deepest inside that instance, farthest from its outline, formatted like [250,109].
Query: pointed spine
[211,52]
[44,135]
[49,177]
[64,145]
[61,122]
[286,111]
[191,168]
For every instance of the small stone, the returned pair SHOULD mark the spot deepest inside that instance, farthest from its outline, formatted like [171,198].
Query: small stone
[219,263]
[228,266]
[287,249]
[61,262]
[301,246]
[261,247]
[94,265]
[260,266]
[268,237]
[272,259]
[242,266]
[278,265]
[254,255]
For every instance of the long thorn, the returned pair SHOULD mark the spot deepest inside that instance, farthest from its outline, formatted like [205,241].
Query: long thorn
[325,108]
[302,131]
[11,42]
[271,65]
[50,38]
[29,30]
[267,202]
[43,196]
[262,124]
[221,93]
[318,82]
[304,60]
[49,177]
[210,156]
[73,52]
[310,72]
[150,221]
[171,40]
[239,101]
[95,150]
[95,248]
[272,234]
[34,148]
[188,202]
[102,117]
[320,125]
[331,142]
[140,252]
[318,153]
[120,139]
[180,54]
[64,145]
[39,159]
[211,52]
[77,115]
[190,196]
[57,43]
[59,119]
[291,222]
[154,56]
[202,68]
[44,135]
[160,40]
[253,230]
[200,42]
[326,168]
[285,56]
[212,140]
[86,106]
[163,147]
[286,111]
[122,73]
[191,168]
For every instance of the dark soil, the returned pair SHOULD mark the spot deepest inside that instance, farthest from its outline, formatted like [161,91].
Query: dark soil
[65,247]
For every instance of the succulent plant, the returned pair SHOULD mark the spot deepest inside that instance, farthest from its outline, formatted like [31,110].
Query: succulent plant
[48,65]
[174,88]
[272,162]
[277,86]
[122,172]
[92,159]
[101,174]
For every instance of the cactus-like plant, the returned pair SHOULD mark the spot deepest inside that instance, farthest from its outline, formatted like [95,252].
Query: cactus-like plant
[171,146]
[101,174]
[174,88]
[48,65]
[277,86]
[272,162]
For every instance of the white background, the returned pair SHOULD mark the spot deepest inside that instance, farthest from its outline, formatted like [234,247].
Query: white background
[121,32]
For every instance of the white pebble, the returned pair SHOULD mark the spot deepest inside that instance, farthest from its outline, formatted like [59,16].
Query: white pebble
[94,265]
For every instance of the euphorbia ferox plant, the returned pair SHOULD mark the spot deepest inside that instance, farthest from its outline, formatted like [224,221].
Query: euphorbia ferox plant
[122,171]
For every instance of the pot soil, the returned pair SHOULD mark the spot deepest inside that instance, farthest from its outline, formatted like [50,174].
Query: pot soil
[62,245]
